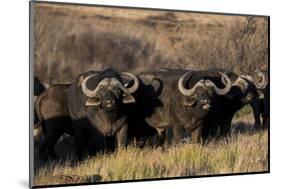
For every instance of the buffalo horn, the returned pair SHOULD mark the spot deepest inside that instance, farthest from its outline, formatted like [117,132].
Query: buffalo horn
[225,80]
[86,91]
[188,92]
[135,85]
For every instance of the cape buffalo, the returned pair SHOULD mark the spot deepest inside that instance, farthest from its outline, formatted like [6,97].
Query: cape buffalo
[242,92]
[98,105]
[93,108]
[178,99]
[261,108]
[53,118]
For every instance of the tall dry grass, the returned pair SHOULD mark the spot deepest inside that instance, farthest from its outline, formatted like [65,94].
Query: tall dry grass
[239,154]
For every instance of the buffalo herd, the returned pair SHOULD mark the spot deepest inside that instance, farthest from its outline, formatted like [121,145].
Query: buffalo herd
[105,110]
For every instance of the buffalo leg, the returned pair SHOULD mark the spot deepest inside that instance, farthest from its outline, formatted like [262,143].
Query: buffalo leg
[81,139]
[121,137]
[256,112]
[178,133]
[51,146]
[211,128]
[110,143]
[225,126]
[196,135]
[161,137]
[42,150]
[48,147]
[265,112]
[263,120]
[52,134]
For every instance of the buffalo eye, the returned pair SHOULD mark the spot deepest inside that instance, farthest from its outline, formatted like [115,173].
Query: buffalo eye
[189,101]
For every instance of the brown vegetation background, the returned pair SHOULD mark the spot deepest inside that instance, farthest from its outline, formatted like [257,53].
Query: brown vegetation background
[73,39]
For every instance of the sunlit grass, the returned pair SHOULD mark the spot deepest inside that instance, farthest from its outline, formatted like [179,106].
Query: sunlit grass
[239,154]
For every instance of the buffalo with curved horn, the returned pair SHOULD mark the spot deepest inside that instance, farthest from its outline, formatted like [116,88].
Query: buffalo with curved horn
[184,102]
[261,106]
[93,108]
[54,120]
[99,104]
[260,80]
[242,92]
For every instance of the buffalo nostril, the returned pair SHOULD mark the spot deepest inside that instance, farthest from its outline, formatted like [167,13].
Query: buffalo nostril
[109,101]
[204,101]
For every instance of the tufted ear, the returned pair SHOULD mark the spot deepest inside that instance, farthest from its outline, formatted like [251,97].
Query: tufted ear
[155,82]
[146,79]
[261,94]
[95,101]
[127,99]
[46,85]
[189,101]
[80,80]
[249,97]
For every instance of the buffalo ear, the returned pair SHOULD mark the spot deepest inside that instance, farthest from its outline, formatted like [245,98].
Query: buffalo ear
[80,80]
[46,85]
[261,94]
[189,101]
[249,97]
[127,99]
[95,101]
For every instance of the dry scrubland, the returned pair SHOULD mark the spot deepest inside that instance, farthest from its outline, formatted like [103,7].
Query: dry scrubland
[70,40]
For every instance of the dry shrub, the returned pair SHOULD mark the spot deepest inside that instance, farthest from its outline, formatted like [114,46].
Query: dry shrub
[69,41]
[66,51]
[242,47]
[95,50]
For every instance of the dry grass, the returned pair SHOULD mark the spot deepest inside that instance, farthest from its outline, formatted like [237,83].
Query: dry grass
[239,154]
[245,151]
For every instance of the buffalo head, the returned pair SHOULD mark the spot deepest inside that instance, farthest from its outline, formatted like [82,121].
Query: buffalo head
[248,86]
[109,92]
[202,91]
